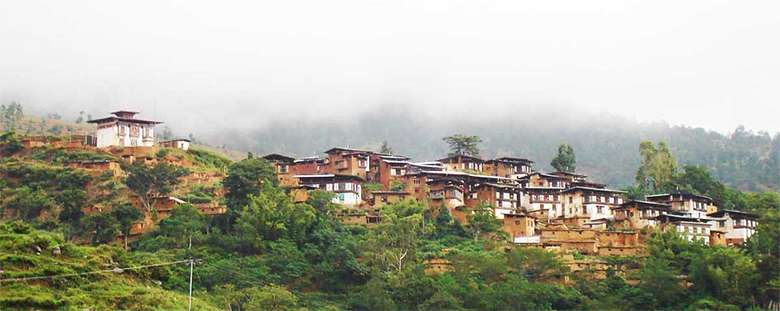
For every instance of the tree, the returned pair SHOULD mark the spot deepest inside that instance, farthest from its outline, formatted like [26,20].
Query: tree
[445,225]
[537,264]
[152,182]
[126,215]
[394,242]
[102,226]
[72,202]
[184,224]
[11,115]
[9,143]
[463,145]
[482,221]
[28,203]
[657,168]
[271,297]
[385,148]
[271,216]
[245,178]
[565,161]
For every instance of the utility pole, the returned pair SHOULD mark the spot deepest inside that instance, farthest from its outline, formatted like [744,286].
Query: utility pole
[192,262]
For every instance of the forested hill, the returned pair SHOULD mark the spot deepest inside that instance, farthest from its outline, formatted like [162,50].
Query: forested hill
[606,146]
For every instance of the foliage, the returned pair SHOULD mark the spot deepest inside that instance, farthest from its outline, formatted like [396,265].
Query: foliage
[244,179]
[657,168]
[385,148]
[28,203]
[152,182]
[565,161]
[482,220]
[463,145]
[9,143]
[126,215]
[209,159]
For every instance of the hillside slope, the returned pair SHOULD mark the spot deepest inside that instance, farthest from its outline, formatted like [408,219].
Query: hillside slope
[26,252]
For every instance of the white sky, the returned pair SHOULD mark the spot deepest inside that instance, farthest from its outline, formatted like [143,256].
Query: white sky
[708,63]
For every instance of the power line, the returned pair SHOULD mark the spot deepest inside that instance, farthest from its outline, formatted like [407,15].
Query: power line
[115,270]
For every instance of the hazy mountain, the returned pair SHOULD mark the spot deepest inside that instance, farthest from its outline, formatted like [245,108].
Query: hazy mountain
[606,146]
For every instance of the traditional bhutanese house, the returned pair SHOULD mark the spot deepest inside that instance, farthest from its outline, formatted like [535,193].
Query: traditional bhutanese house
[691,228]
[693,205]
[571,239]
[308,166]
[347,161]
[508,167]
[180,143]
[446,191]
[282,166]
[390,169]
[571,177]
[124,130]
[592,202]
[639,214]
[545,200]
[738,226]
[518,225]
[463,163]
[347,188]
[381,198]
[502,197]
[434,166]
[618,242]
[544,180]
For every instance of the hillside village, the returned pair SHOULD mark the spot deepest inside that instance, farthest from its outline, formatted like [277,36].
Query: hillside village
[555,210]
[592,230]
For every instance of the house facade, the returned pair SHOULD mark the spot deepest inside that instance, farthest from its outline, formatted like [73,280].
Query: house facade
[122,129]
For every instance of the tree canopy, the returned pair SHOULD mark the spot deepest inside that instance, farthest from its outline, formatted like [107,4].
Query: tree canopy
[463,145]
[565,161]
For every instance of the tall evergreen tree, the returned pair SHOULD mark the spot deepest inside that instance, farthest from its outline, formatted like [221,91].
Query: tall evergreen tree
[463,145]
[566,161]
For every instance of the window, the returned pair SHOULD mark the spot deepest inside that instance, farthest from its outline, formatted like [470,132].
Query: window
[599,209]
[571,199]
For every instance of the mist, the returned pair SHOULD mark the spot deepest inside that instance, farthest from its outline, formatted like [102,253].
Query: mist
[207,68]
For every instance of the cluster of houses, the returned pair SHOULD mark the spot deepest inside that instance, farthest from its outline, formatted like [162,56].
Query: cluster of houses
[551,210]
[558,209]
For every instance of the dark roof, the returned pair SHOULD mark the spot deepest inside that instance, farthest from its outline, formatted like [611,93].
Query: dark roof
[309,159]
[337,149]
[131,120]
[497,185]
[593,189]
[278,157]
[568,174]
[511,160]
[673,217]
[390,192]
[474,159]
[589,184]
[542,174]
[685,194]
[177,139]
[124,111]
[330,176]
[646,204]
[722,212]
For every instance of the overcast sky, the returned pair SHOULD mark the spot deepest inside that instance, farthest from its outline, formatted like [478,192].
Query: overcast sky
[708,63]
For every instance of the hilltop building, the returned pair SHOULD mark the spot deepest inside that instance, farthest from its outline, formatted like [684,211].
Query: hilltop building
[122,129]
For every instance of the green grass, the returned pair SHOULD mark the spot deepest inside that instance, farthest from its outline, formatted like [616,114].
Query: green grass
[26,252]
